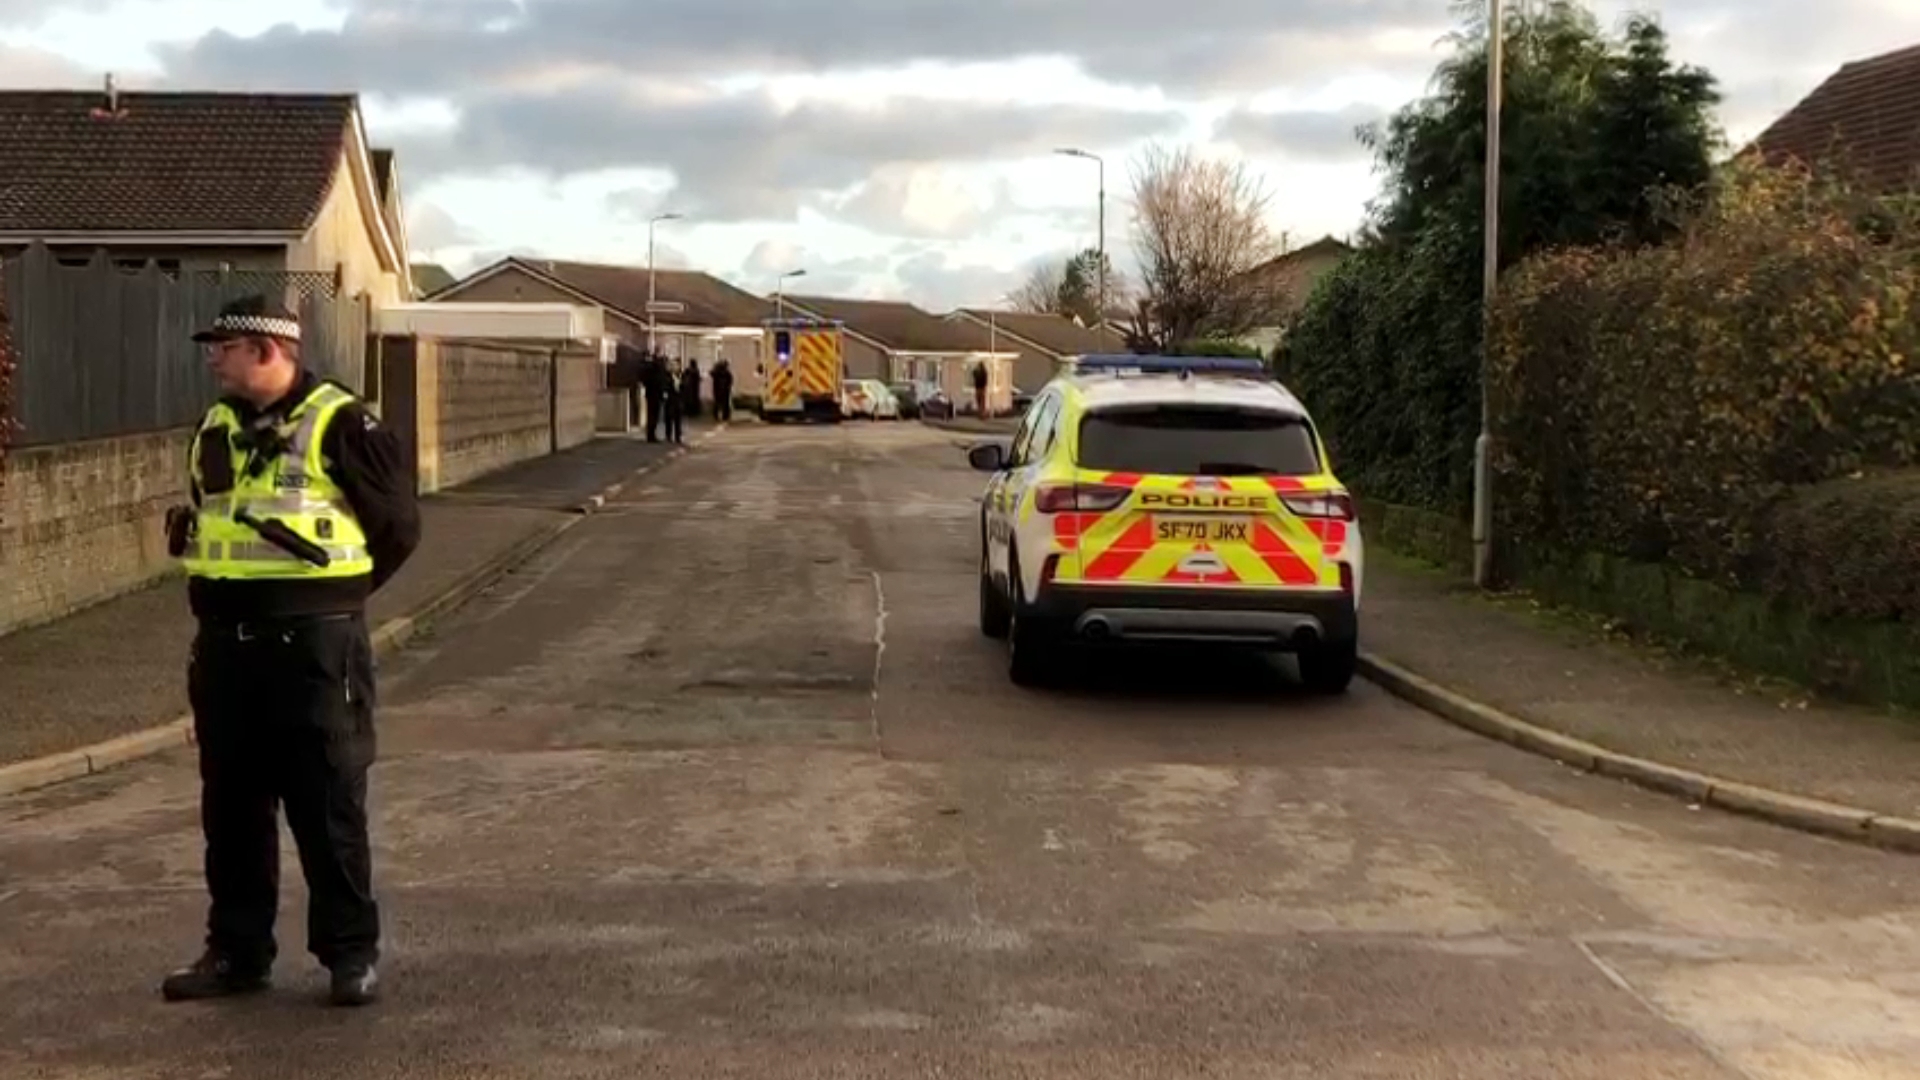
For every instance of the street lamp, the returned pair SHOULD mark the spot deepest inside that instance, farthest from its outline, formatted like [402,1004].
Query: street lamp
[657,219]
[1101,162]
[1490,280]
[780,291]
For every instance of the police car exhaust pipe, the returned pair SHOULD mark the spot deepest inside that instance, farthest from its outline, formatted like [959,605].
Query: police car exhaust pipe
[1096,628]
[1305,638]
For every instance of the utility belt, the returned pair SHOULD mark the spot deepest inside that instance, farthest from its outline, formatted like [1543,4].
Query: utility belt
[282,627]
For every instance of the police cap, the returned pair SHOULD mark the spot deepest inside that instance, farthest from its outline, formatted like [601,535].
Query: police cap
[251,316]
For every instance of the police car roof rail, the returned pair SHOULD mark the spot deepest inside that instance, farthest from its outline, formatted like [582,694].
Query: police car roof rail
[1154,364]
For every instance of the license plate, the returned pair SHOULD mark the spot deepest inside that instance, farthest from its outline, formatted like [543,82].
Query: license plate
[1210,530]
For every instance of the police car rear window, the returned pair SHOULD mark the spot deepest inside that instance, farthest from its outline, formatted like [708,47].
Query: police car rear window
[1198,442]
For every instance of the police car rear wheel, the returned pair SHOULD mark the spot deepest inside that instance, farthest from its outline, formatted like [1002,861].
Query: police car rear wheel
[995,619]
[1029,654]
[1328,668]
[1032,644]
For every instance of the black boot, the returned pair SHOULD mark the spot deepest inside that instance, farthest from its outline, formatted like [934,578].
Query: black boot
[355,983]
[213,976]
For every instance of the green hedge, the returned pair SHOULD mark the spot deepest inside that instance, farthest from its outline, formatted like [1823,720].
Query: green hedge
[1387,355]
[1668,404]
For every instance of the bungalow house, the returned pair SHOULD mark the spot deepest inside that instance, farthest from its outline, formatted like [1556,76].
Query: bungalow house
[895,341]
[278,183]
[1291,277]
[1040,341]
[696,316]
[1864,119]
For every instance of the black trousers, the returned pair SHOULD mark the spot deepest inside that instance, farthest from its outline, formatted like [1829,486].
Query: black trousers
[656,404]
[722,405]
[675,422]
[283,712]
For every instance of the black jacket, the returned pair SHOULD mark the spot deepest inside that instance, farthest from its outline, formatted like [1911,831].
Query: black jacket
[369,462]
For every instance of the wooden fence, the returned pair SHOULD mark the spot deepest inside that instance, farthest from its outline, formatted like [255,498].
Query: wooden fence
[102,350]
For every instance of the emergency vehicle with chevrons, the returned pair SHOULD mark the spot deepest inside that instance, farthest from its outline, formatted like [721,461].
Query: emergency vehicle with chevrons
[802,362]
[1153,499]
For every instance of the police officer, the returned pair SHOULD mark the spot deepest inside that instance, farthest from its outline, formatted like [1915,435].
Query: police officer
[303,505]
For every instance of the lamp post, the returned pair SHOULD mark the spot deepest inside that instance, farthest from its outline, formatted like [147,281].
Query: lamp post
[655,220]
[780,291]
[1490,280]
[1101,313]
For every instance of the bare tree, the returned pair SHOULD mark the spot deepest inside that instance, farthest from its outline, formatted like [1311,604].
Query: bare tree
[1199,232]
[1041,292]
[1069,286]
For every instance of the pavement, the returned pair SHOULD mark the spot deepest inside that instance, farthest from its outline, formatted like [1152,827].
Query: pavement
[1564,675]
[726,783]
[118,667]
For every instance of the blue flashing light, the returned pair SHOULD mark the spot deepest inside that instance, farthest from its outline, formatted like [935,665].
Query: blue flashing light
[1128,363]
[802,322]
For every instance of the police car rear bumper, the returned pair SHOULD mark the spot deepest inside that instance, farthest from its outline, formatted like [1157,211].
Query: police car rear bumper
[1275,618]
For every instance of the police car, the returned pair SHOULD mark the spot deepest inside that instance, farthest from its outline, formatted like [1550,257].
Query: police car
[1157,499]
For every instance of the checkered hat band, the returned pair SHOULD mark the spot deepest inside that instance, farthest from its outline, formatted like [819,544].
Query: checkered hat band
[258,324]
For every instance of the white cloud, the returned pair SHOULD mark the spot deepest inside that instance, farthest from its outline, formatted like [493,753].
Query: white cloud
[896,146]
[24,67]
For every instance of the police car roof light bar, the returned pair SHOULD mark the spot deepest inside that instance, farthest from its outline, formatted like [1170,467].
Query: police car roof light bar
[1128,363]
[801,323]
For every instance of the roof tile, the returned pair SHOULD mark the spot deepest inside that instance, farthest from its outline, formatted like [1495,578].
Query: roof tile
[1056,334]
[187,162]
[709,301]
[1866,117]
[898,325]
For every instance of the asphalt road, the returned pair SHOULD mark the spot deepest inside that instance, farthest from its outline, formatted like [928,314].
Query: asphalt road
[727,784]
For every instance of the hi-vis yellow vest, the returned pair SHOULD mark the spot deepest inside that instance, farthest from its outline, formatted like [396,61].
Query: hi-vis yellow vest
[293,489]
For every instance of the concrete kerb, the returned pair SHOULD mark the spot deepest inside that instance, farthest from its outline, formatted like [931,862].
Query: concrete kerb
[1780,808]
[90,760]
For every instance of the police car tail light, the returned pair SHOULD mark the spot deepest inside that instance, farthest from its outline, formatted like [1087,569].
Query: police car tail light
[1069,498]
[1336,505]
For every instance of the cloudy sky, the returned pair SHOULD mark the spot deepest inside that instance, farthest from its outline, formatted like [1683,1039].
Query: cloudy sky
[888,147]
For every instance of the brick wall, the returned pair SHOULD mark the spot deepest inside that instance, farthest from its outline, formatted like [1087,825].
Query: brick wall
[82,522]
[495,408]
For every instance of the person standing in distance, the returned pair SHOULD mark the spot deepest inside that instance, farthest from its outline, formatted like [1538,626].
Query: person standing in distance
[675,403]
[303,506]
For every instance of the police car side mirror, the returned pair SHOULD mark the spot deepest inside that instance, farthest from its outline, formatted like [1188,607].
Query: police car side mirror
[988,457]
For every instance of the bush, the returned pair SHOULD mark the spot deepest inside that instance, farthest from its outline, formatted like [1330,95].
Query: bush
[1661,403]
[1849,547]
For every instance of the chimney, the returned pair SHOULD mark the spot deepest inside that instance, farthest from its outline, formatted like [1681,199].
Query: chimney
[113,109]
